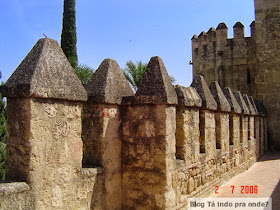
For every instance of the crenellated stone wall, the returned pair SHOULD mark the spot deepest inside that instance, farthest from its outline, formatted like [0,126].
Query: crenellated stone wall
[229,61]
[247,64]
[103,146]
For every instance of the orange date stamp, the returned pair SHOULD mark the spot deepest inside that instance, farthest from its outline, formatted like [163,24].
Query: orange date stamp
[243,189]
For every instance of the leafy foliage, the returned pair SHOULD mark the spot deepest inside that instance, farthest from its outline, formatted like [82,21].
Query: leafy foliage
[2,160]
[84,73]
[3,134]
[68,34]
[134,73]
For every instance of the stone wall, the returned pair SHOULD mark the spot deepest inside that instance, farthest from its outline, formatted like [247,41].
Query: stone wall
[230,61]
[267,76]
[104,147]
[247,64]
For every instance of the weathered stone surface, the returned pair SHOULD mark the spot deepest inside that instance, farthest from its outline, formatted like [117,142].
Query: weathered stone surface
[253,104]
[221,26]
[222,131]
[267,72]
[108,84]
[45,73]
[14,187]
[155,86]
[239,98]
[187,96]
[207,127]
[246,64]
[45,149]
[187,134]
[148,152]
[16,195]
[232,101]
[194,37]
[222,103]
[238,25]
[208,102]
[102,148]
[203,33]
[249,104]
[260,108]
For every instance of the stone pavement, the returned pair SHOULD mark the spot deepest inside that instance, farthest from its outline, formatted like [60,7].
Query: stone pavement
[263,176]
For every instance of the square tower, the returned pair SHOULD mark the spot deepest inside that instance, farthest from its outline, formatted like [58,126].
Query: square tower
[267,75]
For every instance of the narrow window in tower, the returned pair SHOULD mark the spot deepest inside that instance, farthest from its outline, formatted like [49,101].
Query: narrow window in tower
[248,77]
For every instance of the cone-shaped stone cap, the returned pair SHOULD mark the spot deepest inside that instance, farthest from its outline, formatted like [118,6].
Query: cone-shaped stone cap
[239,98]
[253,104]
[221,26]
[188,96]
[194,37]
[238,25]
[212,29]
[222,103]
[108,84]
[203,33]
[249,104]
[260,107]
[232,101]
[208,102]
[45,73]
[155,86]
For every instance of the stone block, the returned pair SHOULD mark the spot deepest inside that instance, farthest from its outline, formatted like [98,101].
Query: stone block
[45,73]
[108,84]
[187,96]
[208,102]
[235,107]
[222,103]
[155,86]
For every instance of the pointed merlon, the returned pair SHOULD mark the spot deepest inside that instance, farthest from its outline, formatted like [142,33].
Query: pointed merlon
[45,73]
[203,33]
[188,96]
[208,102]
[221,26]
[232,101]
[222,103]
[241,102]
[194,37]
[249,105]
[261,109]
[155,86]
[211,30]
[253,104]
[238,25]
[108,84]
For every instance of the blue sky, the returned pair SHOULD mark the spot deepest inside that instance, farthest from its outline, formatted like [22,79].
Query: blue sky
[120,29]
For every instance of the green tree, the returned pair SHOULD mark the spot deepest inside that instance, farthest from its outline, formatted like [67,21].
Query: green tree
[68,34]
[134,73]
[2,160]
[84,73]
[3,134]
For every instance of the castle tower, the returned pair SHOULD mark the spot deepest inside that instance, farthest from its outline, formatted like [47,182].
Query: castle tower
[267,74]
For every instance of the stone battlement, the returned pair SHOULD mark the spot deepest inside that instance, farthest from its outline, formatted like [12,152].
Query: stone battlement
[246,64]
[220,34]
[229,61]
[104,147]
[215,45]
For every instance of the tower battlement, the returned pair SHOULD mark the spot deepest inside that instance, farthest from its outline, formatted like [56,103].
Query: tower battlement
[249,64]
[216,55]
[215,42]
